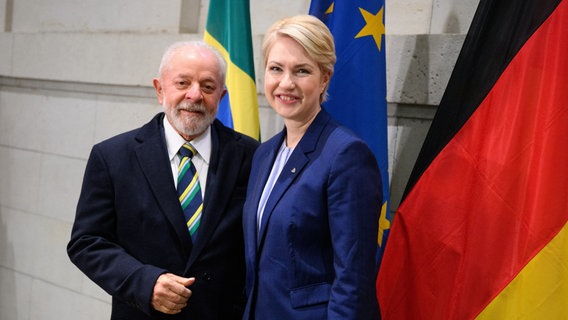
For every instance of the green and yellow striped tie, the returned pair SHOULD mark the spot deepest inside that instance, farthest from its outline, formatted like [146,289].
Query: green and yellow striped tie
[189,190]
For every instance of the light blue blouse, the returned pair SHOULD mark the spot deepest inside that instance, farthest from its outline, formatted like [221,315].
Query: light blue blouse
[281,159]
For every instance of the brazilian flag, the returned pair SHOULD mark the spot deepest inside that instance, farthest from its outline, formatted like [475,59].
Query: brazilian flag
[228,30]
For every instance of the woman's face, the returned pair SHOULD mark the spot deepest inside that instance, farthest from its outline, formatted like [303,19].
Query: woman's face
[293,82]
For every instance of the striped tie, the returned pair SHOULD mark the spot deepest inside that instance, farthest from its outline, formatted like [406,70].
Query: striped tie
[189,190]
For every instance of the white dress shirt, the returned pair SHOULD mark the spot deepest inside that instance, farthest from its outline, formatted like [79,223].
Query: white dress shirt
[201,160]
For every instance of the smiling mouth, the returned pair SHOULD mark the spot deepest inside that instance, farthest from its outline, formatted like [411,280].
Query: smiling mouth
[286,98]
[191,111]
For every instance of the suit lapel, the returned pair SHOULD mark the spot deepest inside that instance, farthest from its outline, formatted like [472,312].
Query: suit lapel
[292,169]
[265,162]
[153,160]
[221,179]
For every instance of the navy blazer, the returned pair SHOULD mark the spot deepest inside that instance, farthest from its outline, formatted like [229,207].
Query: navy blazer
[314,255]
[129,226]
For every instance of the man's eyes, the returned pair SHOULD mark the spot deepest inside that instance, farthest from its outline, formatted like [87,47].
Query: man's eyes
[205,87]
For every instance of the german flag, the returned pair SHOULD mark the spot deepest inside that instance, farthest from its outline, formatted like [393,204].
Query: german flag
[228,29]
[482,229]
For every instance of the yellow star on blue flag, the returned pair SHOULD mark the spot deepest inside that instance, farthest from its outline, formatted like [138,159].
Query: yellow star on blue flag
[374,26]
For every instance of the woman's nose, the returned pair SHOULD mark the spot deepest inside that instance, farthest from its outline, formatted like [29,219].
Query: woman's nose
[287,81]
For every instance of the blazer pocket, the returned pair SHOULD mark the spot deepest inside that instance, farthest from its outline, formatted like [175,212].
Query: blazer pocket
[310,295]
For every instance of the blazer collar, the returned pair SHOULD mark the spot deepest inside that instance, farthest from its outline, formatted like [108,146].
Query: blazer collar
[294,166]
[226,158]
[224,167]
[153,159]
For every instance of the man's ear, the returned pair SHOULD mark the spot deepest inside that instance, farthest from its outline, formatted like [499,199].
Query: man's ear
[159,90]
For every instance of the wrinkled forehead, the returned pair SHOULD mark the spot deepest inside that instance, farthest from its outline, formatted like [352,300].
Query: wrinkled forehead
[195,60]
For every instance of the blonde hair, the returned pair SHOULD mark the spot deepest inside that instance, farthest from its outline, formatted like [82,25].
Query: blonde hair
[312,34]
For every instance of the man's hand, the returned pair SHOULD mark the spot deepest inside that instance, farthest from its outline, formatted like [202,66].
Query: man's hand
[171,293]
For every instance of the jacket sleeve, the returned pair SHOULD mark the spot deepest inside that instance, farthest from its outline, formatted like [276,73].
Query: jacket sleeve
[354,200]
[94,248]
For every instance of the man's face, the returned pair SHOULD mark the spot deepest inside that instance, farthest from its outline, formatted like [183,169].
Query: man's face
[190,89]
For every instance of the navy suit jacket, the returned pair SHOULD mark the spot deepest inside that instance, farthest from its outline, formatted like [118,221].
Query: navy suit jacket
[129,226]
[314,255]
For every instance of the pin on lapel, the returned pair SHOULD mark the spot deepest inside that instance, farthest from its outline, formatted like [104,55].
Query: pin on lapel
[293,170]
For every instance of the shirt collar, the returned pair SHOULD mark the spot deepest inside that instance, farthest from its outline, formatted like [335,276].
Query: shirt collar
[174,141]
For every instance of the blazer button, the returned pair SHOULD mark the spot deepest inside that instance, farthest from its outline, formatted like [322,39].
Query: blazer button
[206,276]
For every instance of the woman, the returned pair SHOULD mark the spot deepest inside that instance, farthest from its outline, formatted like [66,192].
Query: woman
[313,199]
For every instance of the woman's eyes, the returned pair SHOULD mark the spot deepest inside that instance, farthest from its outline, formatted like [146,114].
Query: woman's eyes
[300,71]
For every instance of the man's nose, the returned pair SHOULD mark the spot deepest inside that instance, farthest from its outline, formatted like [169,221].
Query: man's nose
[193,92]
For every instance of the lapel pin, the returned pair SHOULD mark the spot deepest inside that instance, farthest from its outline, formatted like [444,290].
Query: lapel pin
[293,170]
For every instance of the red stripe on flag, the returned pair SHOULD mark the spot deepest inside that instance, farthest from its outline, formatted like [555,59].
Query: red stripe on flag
[495,195]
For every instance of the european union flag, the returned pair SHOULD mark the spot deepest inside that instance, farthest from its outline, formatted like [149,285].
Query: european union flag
[357,91]
[228,29]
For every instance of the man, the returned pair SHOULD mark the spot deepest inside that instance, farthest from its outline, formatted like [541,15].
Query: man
[131,235]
